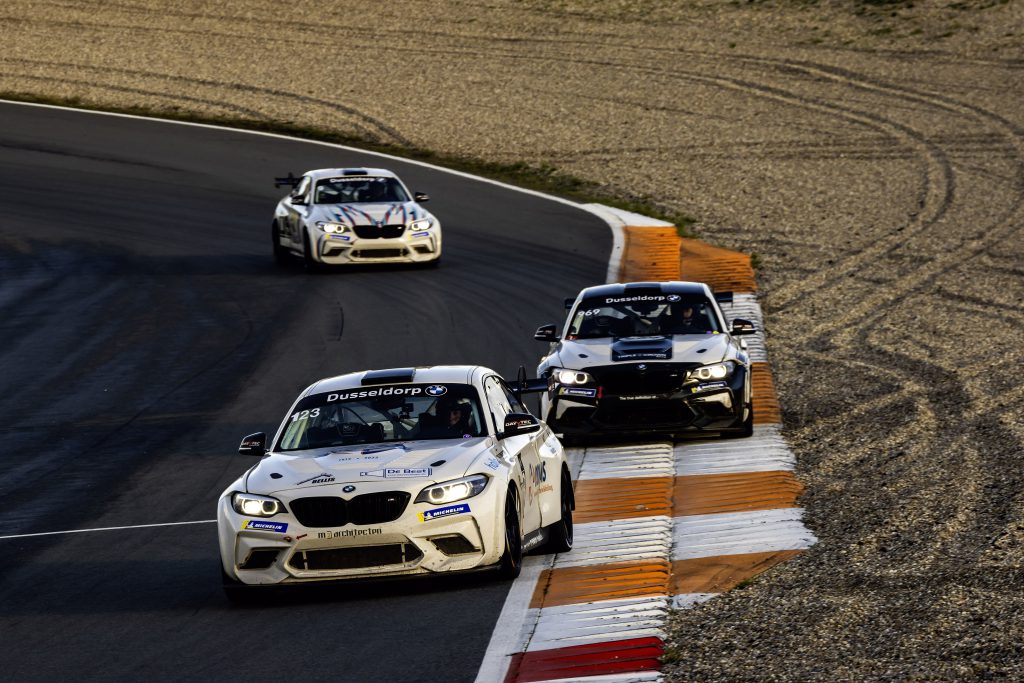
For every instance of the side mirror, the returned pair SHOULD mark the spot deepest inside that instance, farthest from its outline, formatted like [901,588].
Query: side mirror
[421,196]
[519,423]
[298,201]
[548,333]
[741,327]
[254,444]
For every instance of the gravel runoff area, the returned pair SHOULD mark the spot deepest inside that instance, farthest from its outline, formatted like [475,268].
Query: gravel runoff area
[870,153]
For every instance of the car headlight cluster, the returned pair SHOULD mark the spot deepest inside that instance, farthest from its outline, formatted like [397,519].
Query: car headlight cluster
[563,376]
[451,491]
[332,227]
[706,373]
[252,505]
[421,224]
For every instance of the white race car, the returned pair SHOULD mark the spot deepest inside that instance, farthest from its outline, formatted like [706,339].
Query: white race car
[353,215]
[396,472]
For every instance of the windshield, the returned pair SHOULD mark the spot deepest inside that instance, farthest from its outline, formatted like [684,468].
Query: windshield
[641,316]
[352,189]
[378,414]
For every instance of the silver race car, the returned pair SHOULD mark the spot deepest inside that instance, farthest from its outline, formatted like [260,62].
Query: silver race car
[396,472]
[647,357]
[353,215]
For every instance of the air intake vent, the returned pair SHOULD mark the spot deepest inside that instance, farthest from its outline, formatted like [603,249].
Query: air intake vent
[369,508]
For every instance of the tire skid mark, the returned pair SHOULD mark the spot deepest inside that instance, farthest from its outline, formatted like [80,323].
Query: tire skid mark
[370,126]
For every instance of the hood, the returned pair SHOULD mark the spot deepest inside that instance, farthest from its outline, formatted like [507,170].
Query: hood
[422,462]
[680,348]
[385,213]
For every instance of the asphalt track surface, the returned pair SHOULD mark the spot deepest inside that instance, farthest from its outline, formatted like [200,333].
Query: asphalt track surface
[146,329]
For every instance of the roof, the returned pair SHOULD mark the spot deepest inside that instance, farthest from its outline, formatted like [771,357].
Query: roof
[436,374]
[319,173]
[646,288]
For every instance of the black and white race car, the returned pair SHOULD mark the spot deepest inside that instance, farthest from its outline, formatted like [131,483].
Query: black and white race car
[647,357]
[353,215]
[396,472]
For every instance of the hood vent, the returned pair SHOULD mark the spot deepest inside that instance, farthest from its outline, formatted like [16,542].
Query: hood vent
[642,348]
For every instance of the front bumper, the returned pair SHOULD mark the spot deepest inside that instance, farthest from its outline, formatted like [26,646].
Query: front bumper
[281,550]
[710,406]
[416,247]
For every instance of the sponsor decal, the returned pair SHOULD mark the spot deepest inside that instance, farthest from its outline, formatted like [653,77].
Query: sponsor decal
[350,533]
[589,393]
[358,458]
[399,472]
[437,390]
[641,397]
[642,366]
[627,299]
[646,355]
[673,298]
[322,478]
[538,473]
[376,391]
[492,463]
[709,385]
[533,542]
[260,525]
[436,513]
[545,488]
[348,489]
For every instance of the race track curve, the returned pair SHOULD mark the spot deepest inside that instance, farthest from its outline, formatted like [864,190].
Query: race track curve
[145,329]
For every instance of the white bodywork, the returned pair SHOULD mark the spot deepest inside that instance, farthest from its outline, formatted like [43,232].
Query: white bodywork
[529,463]
[397,230]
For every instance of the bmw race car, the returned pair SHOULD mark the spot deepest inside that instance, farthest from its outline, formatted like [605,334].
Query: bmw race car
[396,472]
[353,215]
[647,357]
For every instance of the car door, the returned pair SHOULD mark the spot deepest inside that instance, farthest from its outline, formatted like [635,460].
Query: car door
[521,450]
[297,212]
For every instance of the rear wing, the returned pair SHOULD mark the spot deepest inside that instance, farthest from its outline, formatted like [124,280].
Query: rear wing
[290,181]
[522,385]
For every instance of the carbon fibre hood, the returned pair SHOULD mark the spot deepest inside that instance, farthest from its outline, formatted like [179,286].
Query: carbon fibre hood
[409,463]
[680,348]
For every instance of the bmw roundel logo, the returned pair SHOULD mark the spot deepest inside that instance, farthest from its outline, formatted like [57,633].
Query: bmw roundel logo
[349,489]
[437,390]
[642,366]
[673,297]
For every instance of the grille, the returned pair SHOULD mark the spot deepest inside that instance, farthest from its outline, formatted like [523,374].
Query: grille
[372,232]
[369,508]
[628,380]
[453,545]
[260,558]
[357,557]
[378,253]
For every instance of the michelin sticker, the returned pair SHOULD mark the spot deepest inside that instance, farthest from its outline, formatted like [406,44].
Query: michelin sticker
[258,525]
[567,391]
[399,472]
[492,463]
[444,512]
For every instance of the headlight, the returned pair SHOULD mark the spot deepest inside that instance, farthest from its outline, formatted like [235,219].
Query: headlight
[251,505]
[422,224]
[711,372]
[563,376]
[332,227]
[451,491]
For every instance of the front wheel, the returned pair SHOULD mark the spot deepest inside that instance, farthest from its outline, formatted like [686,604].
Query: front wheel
[746,428]
[308,262]
[280,253]
[512,559]
[560,533]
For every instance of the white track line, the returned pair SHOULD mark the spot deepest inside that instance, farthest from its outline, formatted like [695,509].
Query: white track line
[106,528]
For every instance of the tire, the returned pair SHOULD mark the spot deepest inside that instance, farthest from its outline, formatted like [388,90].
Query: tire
[308,262]
[560,533]
[746,428]
[281,255]
[511,563]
